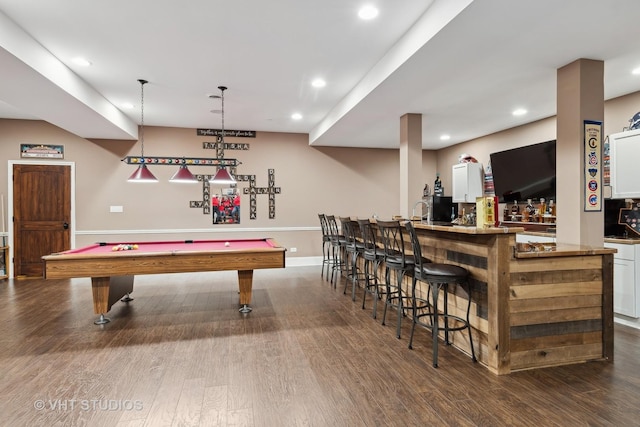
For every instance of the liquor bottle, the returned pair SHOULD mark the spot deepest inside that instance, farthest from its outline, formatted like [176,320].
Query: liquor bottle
[542,209]
[552,212]
[515,211]
[438,190]
[426,192]
[530,211]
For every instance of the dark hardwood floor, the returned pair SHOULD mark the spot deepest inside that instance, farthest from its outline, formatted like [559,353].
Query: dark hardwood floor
[181,355]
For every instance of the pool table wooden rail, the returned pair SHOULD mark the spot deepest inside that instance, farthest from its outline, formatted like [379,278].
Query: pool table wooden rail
[124,263]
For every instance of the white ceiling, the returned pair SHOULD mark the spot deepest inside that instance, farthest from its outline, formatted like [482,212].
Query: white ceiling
[463,64]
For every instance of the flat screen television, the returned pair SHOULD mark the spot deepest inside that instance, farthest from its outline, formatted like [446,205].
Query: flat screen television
[523,173]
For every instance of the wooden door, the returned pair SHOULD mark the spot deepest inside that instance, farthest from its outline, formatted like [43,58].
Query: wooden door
[41,215]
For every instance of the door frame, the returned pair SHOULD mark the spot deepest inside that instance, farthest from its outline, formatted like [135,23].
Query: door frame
[10,233]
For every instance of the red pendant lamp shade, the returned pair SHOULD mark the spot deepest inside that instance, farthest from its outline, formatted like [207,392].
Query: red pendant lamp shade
[183,175]
[222,177]
[142,174]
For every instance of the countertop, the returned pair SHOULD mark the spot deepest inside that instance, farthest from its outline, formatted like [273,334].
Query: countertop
[467,229]
[539,233]
[563,249]
[560,250]
[623,240]
[611,239]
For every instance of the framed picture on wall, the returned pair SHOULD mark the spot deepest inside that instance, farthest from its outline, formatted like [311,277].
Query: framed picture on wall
[225,207]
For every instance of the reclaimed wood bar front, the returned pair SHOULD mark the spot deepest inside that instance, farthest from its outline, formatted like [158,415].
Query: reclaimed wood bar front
[529,309]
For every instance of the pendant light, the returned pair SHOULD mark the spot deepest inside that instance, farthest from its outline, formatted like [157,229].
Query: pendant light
[222,176]
[142,174]
[184,176]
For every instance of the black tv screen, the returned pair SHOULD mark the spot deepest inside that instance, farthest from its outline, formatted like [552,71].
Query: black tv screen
[527,172]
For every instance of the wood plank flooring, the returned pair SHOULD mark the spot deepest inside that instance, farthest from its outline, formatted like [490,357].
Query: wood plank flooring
[181,355]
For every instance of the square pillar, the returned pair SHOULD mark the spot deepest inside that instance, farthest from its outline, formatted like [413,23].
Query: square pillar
[580,97]
[410,162]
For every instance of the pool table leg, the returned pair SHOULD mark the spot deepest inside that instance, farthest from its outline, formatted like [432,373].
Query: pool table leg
[245,281]
[107,291]
[100,290]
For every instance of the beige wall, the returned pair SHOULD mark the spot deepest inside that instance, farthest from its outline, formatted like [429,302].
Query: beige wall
[617,113]
[481,148]
[340,181]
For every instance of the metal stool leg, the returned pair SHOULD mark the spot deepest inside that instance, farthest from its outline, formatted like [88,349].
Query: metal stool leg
[473,353]
[445,289]
[435,330]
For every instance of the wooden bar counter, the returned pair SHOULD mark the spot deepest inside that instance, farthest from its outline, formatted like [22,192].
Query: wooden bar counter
[529,309]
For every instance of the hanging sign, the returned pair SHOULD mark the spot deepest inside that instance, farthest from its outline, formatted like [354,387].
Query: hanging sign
[592,166]
[43,151]
[227,132]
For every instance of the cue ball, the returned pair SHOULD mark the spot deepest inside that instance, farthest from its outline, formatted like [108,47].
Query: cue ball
[227,244]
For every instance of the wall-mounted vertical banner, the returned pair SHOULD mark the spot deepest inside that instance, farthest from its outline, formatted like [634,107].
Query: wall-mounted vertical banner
[592,166]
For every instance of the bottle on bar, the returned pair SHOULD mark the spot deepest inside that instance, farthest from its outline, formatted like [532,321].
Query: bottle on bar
[542,209]
[515,211]
[529,211]
[438,190]
[552,211]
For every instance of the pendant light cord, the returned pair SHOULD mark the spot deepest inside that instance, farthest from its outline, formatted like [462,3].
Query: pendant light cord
[142,83]
[222,89]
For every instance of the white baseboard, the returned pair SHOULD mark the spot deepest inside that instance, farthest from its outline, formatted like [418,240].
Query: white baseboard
[303,261]
[635,323]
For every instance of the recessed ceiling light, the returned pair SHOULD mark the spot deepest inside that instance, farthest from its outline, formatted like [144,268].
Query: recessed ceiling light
[368,12]
[318,83]
[81,62]
[296,116]
[519,112]
[636,71]
[445,137]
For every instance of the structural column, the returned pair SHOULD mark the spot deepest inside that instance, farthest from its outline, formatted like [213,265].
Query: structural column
[580,97]
[410,162]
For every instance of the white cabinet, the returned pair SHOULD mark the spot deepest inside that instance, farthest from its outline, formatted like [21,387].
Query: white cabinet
[626,279]
[624,152]
[467,182]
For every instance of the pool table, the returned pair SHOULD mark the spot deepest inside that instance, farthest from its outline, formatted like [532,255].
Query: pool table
[111,266]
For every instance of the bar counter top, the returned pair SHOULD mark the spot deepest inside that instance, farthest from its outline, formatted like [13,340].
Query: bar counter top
[564,249]
[623,240]
[559,250]
[466,229]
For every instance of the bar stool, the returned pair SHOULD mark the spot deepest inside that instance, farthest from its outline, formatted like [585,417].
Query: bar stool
[373,257]
[397,260]
[354,248]
[326,245]
[438,276]
[338,243]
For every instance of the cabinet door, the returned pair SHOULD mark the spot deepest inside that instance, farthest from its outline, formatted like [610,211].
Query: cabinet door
[459,183]
[624,149]
[467,182]
[624,287]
